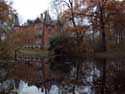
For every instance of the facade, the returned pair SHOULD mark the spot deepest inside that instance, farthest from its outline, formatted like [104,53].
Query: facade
[43,28]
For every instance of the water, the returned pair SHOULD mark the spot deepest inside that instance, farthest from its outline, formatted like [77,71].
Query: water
[24,88]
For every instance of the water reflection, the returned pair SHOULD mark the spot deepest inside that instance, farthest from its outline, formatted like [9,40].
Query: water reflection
[24,88]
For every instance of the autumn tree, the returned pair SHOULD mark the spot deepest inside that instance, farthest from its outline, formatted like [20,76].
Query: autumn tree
[6,16]
[6,23]
[97,17]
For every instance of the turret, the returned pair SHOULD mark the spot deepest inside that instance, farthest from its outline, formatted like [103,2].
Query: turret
[41,16]
[47,18]
[16,22]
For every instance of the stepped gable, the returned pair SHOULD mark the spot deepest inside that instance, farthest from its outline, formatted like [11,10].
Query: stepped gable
[37,21]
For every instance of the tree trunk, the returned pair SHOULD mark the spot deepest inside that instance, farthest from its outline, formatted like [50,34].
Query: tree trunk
[103,49]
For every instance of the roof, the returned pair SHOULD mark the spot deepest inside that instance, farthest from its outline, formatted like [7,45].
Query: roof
[16,23]
[47,18]
[37,20]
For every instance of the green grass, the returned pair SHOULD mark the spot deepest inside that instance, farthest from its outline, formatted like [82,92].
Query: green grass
[33,52]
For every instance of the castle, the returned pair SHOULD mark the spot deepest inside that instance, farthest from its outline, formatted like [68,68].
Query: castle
[43,27]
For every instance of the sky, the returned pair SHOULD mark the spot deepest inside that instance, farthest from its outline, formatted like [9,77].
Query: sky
[30,9]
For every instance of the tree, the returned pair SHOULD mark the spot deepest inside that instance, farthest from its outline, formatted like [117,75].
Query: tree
[99,18]
[58,54]
[6,22]
[6,16]
[73,23]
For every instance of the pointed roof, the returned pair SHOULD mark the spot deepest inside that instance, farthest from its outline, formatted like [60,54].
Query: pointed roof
[16,23]
[47,18]
[37,20]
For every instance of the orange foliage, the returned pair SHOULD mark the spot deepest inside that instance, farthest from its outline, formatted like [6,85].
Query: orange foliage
[5,11]
[76,29]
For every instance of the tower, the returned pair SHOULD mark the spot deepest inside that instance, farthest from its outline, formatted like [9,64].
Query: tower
[16,22]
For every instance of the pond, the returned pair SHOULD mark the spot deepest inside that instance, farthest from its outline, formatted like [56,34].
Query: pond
[24,88]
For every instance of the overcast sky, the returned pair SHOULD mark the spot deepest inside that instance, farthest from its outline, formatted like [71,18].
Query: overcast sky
[30,9]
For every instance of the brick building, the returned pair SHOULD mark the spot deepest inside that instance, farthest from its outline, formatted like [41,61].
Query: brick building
[44,27]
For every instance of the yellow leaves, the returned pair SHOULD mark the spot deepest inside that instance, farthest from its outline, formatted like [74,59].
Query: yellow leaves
[3,6]
[4,11]
[76,29]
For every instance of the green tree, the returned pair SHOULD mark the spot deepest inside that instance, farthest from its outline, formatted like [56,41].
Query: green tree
[59,54]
